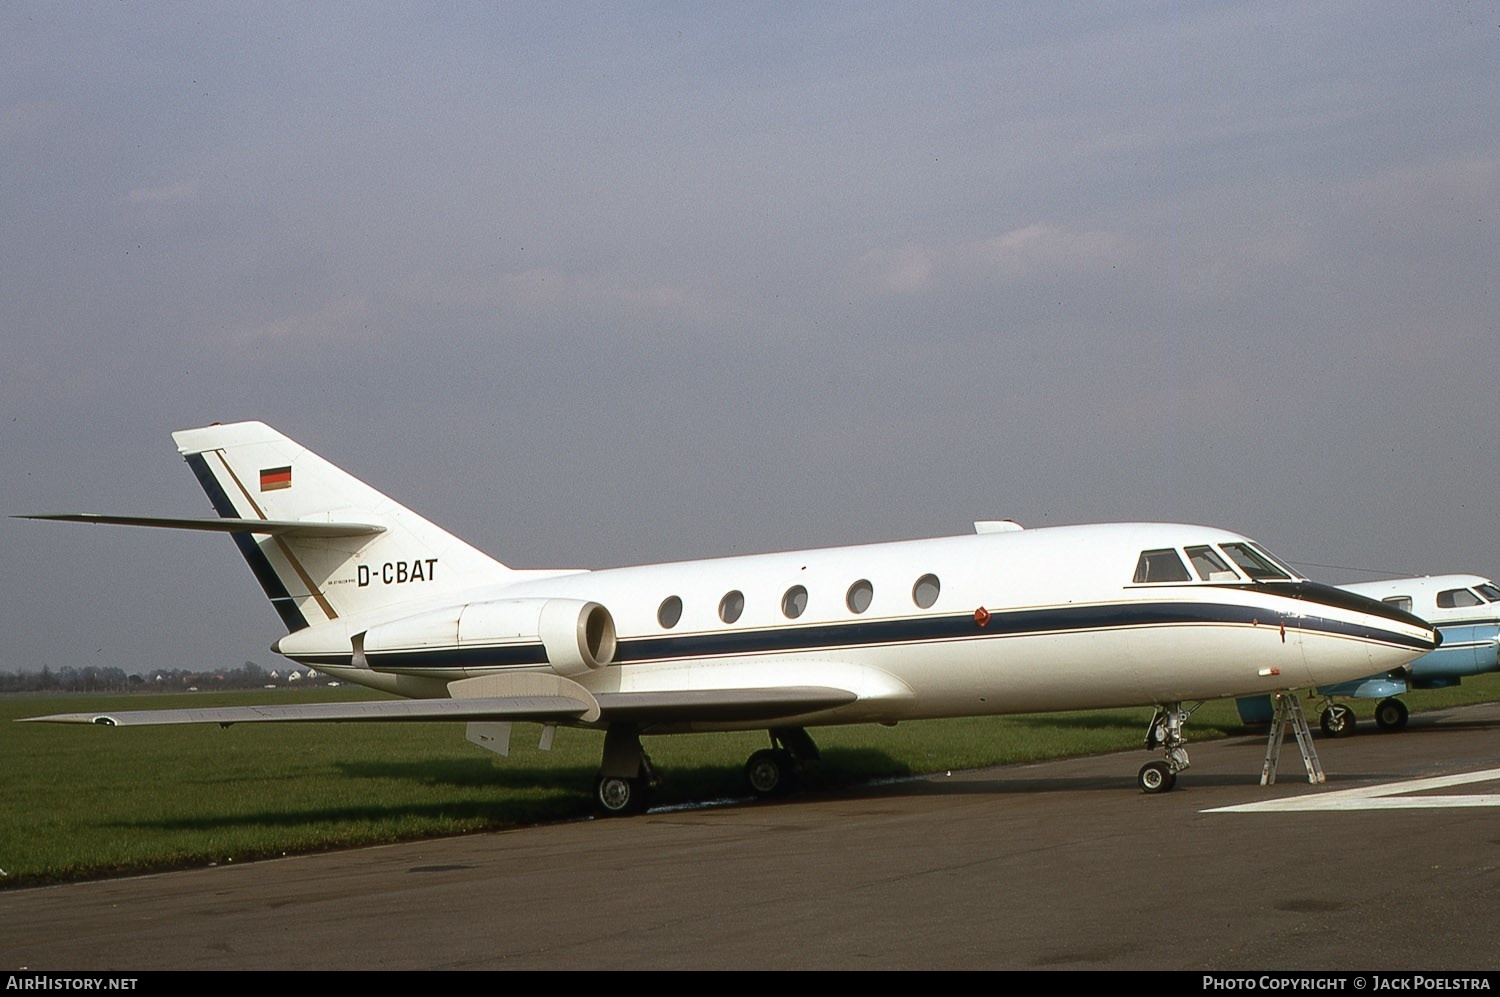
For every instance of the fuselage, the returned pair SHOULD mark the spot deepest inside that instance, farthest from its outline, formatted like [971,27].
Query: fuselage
[1020,621]
[1002,621]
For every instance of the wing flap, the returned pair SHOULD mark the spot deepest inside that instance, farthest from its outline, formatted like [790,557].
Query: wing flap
[275,527]
[721,705]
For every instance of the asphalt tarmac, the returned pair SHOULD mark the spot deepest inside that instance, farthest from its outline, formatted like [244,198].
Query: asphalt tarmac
[1056,865]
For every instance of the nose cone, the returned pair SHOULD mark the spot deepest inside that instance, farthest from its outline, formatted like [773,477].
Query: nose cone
[1418,633]
[1350,637]
[1425,633]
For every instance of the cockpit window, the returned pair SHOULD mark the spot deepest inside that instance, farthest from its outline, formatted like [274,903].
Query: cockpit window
[1401,602]
[1274,560]
[1252,562]
[1161,566]
[1458,598]
[1489,591]
[1210,566]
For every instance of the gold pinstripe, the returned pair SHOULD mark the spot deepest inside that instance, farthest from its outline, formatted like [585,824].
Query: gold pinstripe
[286,552]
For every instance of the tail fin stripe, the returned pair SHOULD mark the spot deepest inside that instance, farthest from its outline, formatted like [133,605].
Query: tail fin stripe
[249,499]
[281,544]
[270,582]
[312,587]
[210,486]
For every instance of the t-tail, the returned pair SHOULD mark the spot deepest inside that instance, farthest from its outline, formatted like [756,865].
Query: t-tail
[322,543]
[313,575]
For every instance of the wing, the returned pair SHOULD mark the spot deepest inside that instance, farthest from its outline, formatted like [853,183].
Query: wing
[541,697]
[543,709]
[709,706]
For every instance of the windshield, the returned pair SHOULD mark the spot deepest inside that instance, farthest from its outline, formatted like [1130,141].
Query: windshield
[1161,566]
[1254,563]
[1225,562]
[1210,566]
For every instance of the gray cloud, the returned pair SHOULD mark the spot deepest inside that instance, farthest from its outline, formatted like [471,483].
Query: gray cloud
[598,285]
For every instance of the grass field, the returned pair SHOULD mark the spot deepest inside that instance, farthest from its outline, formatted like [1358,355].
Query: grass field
[84,802]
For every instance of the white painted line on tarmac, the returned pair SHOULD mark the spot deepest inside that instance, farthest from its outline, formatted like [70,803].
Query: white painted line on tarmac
[1390,796]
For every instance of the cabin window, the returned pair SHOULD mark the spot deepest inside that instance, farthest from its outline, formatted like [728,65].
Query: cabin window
[1457,599]
[1401,602]
[669,612]
[1210,566]
[731,606]
[794,602]
[1489,591]
[1253,563]
[1160,566]
[925,592]
[859,596]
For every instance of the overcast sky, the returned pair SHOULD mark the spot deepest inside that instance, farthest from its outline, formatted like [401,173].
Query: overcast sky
[594,285]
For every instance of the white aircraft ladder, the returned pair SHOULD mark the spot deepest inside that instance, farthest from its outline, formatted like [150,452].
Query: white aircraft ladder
[1289,711]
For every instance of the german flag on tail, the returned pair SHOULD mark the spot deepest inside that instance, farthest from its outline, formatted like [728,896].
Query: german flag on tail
[275,478]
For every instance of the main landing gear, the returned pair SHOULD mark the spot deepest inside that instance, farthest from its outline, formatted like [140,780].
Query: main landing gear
[626,776]
[1165,732]
[1337,720]
[775,771]
[1391,714]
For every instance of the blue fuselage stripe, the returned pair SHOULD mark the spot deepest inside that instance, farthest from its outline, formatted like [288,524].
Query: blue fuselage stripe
[912,630]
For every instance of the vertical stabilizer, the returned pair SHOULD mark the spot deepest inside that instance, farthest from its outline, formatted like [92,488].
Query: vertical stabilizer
[250,471]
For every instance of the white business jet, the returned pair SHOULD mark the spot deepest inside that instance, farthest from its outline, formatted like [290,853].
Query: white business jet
[1003,621]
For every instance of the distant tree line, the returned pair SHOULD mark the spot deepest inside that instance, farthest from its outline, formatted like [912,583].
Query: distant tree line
[93,678]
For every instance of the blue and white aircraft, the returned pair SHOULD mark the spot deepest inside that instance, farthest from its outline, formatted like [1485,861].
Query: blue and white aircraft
[1466,611]
[1002,621]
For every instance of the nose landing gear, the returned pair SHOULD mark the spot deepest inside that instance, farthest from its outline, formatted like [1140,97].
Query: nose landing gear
[1165,732]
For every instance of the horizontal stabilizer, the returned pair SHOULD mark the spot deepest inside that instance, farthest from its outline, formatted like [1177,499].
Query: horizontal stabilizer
[539,709]
[275,527]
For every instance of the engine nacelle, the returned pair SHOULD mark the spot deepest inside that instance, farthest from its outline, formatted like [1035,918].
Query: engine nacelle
[577,636]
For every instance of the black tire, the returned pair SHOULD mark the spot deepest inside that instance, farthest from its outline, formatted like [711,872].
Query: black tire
[616,796]
[770,772]
[1391,714]
[1337,721]
[1156,777]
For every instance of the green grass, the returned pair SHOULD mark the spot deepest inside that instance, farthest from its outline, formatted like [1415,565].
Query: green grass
[88,802]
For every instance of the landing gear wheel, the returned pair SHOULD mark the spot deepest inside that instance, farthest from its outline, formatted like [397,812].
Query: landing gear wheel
[1391,714]
[1156,777]
[617,796]
[771,772]
[1337,721]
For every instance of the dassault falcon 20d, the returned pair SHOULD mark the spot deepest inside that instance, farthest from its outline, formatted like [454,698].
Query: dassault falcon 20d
[1004,620]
